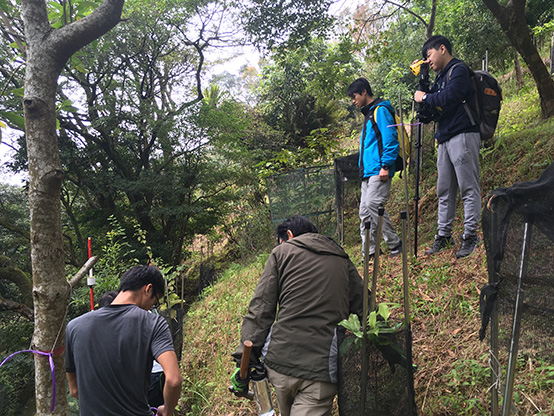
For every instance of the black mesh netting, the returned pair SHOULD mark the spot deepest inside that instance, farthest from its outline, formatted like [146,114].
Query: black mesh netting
[347,187]
[174,318]
[309,192]
[389,389]
[504,217]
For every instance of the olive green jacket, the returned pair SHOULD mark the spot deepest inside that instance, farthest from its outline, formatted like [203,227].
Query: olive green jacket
[307,287]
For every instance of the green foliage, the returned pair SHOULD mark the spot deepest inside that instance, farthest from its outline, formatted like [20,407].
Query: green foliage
[300,97]
[14,241]
[62,13]
[466,375]
[16,382]
[292,23]
[377,325]
[473,30]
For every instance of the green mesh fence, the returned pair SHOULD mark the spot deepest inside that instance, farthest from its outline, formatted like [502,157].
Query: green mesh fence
[309,192]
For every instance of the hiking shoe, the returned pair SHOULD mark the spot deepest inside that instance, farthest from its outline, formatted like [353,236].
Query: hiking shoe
[468,245]
[396,251]
[439,244]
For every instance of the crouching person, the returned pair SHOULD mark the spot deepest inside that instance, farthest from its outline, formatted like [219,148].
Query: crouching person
[307,287]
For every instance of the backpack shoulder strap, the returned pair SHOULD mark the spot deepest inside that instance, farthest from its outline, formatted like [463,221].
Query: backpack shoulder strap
[464,103]
[378,135]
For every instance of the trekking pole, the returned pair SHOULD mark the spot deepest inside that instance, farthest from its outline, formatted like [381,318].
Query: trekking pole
[423,85]
[419,139]
[381,212]
[407,324]
[493,353]
[404,169]
[514,341]
[363,381]
[365,362]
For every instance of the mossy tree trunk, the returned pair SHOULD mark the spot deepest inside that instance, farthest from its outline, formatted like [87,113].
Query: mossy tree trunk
[46,51]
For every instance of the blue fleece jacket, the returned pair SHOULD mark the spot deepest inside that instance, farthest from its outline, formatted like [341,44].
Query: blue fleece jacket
[370,161]
[449,96]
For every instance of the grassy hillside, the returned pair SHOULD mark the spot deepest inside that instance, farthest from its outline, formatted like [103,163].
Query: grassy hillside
[453,371]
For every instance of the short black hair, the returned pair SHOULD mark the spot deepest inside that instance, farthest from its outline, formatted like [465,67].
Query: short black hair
[435,42]
[358,86]
[107,298]
[139,276]
[297,224]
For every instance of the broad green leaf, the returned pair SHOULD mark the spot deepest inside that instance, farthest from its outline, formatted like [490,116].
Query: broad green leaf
[14,118]
[352,323]
[372,319]
[384,311]
[18,91]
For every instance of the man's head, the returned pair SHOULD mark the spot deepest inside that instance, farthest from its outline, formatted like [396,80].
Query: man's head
[360,92]
[107,298]
[293,227]
[437,52]
[143,279]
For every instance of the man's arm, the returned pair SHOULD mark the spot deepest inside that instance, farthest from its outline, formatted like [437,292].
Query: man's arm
[455,91]
[72,381]
[356,290]
[173,382]
[261,310]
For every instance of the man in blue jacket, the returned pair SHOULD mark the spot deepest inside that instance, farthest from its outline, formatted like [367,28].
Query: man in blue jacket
[377,163]
[458,145]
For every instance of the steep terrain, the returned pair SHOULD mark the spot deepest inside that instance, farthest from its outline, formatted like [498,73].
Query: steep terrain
[453,376]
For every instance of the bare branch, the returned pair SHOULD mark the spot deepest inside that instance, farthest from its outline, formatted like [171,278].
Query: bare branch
[20,308]
[83,271]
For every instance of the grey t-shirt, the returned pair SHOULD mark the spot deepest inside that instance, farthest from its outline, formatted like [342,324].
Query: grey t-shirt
[111,351]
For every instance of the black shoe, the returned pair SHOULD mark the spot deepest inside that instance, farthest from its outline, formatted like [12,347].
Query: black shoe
[396,251]
[468,246]
[440,243]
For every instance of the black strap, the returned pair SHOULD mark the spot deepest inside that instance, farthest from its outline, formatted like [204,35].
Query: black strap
[361,168]
[464,103]
[378,135]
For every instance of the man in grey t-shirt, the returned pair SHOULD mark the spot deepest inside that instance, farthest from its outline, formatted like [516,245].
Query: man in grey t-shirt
[109,352]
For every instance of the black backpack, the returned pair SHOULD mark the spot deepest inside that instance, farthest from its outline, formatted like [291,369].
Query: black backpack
[488,97]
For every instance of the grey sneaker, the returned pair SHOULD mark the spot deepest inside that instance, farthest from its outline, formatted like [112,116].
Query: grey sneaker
[468,246]
[440,243]
[396,251]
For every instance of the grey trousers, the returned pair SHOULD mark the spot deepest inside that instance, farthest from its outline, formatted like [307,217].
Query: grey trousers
[458,167]
[300,397]
[374,195]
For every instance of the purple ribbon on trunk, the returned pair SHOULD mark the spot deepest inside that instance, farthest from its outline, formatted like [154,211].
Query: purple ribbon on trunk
[51,361]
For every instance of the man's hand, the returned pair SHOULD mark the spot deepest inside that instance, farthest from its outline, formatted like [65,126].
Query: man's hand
[384,174]
[173,382]
[72,382]
[418,96]
[239,385]
[162,411]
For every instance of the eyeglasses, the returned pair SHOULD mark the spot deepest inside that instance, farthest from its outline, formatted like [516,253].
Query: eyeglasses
[158,301]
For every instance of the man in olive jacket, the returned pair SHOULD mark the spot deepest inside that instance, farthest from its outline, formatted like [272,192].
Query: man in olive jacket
[313,284]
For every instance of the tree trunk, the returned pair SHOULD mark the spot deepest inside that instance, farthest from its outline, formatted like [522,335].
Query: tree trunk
[517,70]
[512,21]
[47,50]
[431,25]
